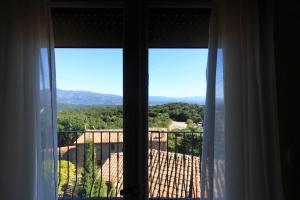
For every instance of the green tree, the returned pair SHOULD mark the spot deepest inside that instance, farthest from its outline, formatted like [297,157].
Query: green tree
[189,143]
[179,111]
[89,170]
[111,117]
[192,126]
[172,142]
[93,186]
[161,120]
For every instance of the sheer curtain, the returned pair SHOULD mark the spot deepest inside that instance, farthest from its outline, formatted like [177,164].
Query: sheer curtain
[241,148]
[28,138]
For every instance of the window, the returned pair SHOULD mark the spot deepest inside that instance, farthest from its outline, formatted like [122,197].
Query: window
[83,27]
[177,89]
[90,121]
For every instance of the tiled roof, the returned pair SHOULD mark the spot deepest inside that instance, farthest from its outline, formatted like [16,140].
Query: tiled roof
[104,136]
[170,174]
[116,136]
[65,149]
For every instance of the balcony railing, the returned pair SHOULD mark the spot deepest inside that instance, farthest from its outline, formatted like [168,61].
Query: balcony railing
[91,164]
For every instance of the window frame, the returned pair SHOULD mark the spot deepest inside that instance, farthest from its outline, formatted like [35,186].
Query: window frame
[135,84]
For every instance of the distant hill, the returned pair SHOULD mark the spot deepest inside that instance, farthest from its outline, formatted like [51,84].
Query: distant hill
[68,98]
[158,100]
[86,98]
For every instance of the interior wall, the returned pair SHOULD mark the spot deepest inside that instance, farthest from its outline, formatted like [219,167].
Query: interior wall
[287,41]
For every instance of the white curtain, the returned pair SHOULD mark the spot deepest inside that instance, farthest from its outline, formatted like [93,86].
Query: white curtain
[28,138]
[241,158]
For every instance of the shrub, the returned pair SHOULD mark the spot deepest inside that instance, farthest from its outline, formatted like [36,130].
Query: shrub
[65,176]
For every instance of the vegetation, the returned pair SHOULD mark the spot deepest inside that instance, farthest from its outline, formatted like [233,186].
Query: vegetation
[180,112]
[186,143]
[112,117]
[66,175]
[91,118]
[92,185]
[161,120]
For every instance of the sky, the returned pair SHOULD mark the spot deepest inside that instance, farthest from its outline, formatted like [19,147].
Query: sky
[172,72]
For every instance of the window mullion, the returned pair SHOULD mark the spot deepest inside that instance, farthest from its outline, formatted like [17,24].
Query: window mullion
[135,77]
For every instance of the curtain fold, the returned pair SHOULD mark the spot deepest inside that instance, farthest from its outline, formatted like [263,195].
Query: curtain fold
[27,140]
[241,148]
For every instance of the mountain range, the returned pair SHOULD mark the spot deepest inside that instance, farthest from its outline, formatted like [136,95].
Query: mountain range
[86,98]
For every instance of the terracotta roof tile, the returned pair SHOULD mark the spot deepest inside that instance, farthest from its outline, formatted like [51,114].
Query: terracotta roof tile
[170,175]
[116,136]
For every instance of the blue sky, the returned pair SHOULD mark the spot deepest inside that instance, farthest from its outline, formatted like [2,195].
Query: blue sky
[172,72]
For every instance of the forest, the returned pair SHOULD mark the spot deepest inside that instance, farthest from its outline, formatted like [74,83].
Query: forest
[111,117]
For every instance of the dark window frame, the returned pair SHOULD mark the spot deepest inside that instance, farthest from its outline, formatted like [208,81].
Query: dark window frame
[135,84]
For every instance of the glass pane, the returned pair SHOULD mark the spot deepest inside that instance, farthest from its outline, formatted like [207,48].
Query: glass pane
[177,88]
[90,122]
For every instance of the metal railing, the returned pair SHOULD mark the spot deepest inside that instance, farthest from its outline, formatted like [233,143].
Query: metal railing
[91,164]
